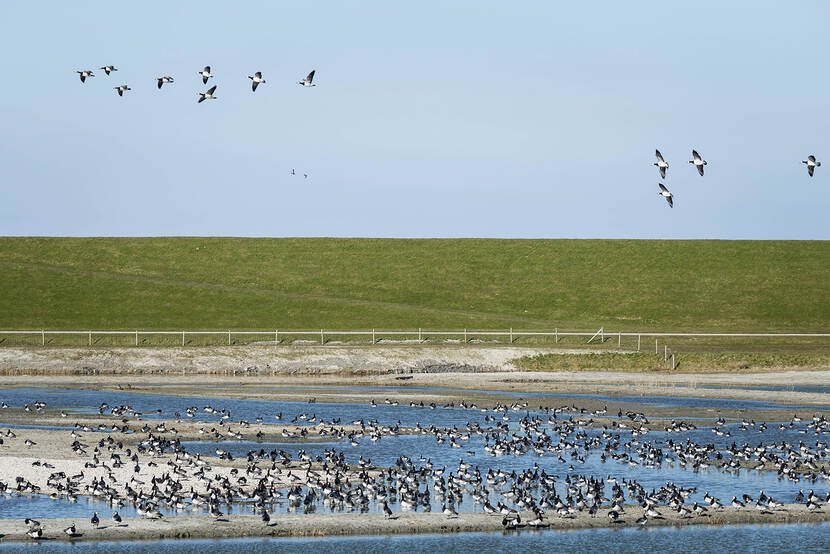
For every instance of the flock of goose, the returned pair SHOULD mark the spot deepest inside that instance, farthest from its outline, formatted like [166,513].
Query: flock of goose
[205,74]
[148,467]
[256,79]
[699,164]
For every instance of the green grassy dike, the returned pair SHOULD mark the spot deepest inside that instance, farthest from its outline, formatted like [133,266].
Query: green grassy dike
[239,283]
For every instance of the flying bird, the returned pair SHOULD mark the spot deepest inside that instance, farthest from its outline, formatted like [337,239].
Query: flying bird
[664,192]
[257,79]
[661,164]
[307,81]
[811,162]
[84,74]
[698,161]
[205,73]
[207,95]
[162,80]
[108,69]
[121,89]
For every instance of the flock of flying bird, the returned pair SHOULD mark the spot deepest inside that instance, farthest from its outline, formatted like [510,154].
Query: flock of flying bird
[256,80]
[149,468]
[205,74]
[699,163]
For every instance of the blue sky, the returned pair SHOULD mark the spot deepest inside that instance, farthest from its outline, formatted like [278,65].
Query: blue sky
[430,119]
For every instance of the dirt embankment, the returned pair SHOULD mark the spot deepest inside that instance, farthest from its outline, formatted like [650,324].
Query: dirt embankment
[262,360]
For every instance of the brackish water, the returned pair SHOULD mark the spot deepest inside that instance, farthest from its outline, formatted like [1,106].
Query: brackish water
[88,401]
[385,452]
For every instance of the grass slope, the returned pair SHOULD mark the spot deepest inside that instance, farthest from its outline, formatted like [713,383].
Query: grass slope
[219,283]
[686,361]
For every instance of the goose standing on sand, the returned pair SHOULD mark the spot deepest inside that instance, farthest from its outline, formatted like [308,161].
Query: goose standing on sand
[165,79]
[205,73]
[664,192]
[207,95]
[84,74]
[661,164]
[108,68]
[698,161]
[811,162]
[121,89]
[94,520]
[307,81]
[257,79]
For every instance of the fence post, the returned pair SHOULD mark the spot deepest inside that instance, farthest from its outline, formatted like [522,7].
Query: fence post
[373,336]
[673,365]
[602,334]
[182,338]
[322,340]
[511,335]
[465,336]
[556,335]
[619,339]
[655,346]
[276,336]
[419,334]
[638,343]
[136,337]
[42,337]
[229,337]
[90,338]
[665,352]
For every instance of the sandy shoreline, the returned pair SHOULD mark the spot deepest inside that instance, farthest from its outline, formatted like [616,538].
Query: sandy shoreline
[318,525]
[460,372]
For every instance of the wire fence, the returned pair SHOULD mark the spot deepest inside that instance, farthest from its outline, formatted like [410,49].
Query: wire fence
[322,336]
[591,341]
